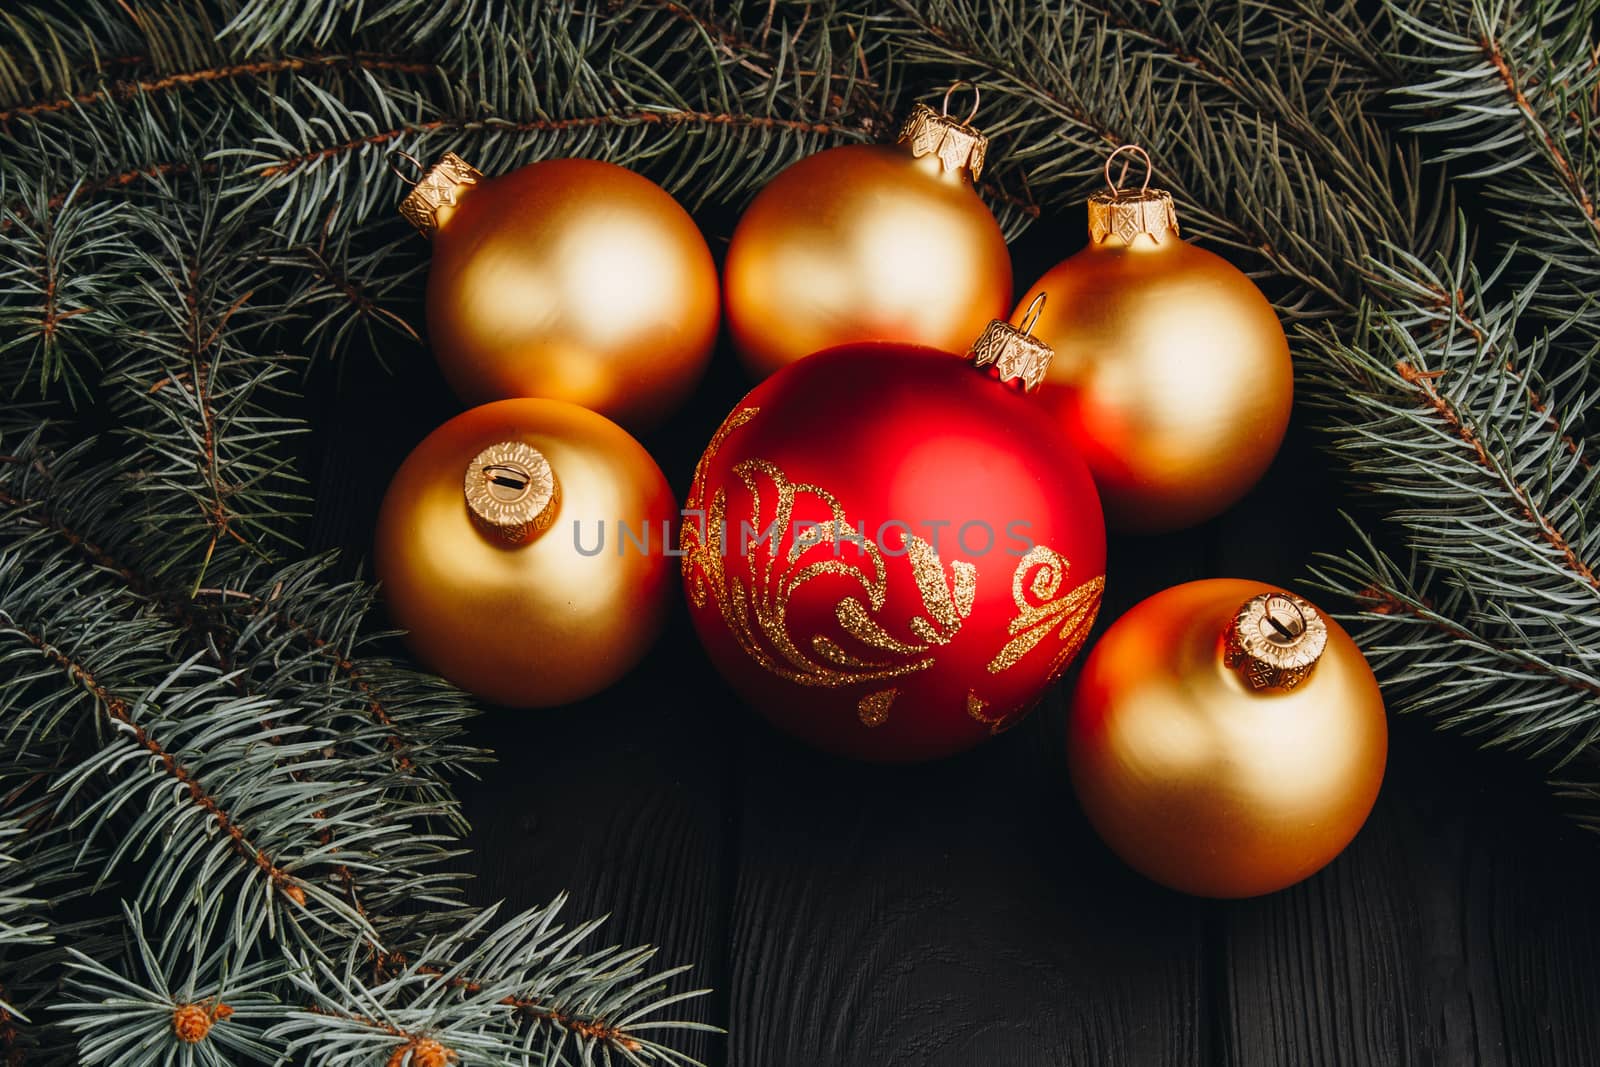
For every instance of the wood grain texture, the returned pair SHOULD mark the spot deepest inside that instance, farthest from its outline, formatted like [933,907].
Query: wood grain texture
[620,801]
[945,916]
[1458,929]
[963,914]
[955,913]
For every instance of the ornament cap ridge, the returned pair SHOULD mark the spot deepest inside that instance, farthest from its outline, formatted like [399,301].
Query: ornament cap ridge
[1126,213]
[957,144]
[1275,641]
[1013,350]
[439,187]
[511,492]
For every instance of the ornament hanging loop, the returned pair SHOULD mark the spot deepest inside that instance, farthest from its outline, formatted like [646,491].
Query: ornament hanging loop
[1127,214]
[1013,350]
[1285,630]
[510,476]
[512,494]
[394,166]
[976,97]
[1030,314]
[1131,149]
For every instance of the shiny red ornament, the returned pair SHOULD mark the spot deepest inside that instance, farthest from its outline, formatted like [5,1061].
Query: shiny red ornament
[890,553]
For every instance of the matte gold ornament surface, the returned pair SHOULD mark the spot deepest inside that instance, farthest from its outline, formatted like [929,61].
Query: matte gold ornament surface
[1172,372]
[571,279]
[869,243]
[522,617]
[1200,779]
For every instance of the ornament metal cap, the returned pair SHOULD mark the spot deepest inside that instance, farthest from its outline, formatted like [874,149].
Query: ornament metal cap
[1127,213]
[1013,350]
[955,142]
[512,493]
[439,187]
[1275,641]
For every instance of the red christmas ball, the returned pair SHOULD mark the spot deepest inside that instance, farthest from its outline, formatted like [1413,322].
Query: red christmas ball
[891,553]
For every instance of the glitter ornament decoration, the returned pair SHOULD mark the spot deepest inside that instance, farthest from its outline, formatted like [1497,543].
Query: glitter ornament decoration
[1226,738]
[870,243]
[891,551]
[572,279]
[501,551]
[1172,372]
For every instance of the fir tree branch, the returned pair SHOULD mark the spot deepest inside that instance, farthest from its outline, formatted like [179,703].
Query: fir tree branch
[280,167]
[1452,419]
[1513,90]
[524,993]
[36,513]
[119,711]
[176,1002]
[280,637]
[123,90]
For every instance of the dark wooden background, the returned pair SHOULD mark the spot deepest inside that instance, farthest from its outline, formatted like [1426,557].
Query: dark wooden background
[963,913]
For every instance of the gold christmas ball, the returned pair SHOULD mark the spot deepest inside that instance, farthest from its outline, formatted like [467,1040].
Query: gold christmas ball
[522,547]
[571,279]
[869,243]
[1226,738]
[1172,372]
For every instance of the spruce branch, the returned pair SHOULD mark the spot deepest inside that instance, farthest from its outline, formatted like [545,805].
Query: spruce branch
[1475,443]
[195,200]
[195,373]
[51,273]
[1513,93]
[126,89]
[289,631]
[37,890]
[21,921]
[1466,426]
[526,992]
[174,994]
[186,654]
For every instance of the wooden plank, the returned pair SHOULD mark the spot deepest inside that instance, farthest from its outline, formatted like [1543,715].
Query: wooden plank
[620,801]
[955,913]
[963,912]
[1534,880]
[1458,929]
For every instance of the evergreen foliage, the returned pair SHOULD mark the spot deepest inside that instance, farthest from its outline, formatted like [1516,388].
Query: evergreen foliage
[226,819]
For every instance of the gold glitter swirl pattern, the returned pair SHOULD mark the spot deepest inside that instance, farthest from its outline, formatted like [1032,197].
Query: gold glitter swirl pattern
[873,708]
[755,597]
[692,542]
[1036,588]
[775,562]
[977,709]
